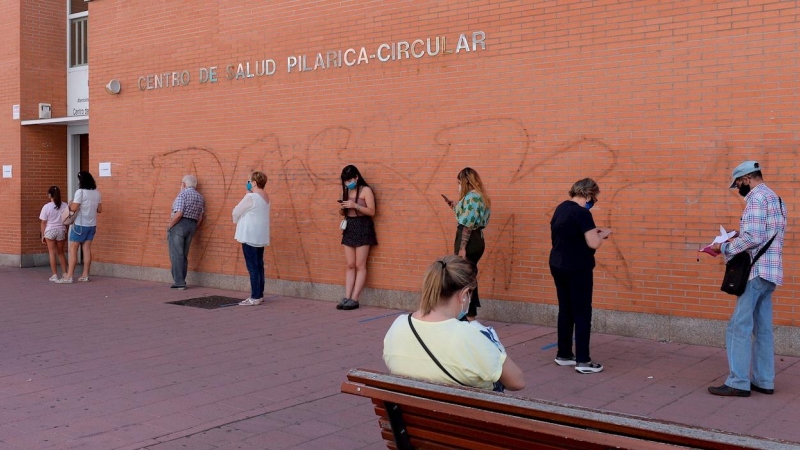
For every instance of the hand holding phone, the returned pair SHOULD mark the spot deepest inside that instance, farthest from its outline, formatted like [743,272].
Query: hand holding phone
[447,200]
[340,201]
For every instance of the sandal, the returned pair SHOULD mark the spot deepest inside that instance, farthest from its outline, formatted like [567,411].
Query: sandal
[64,281]
[85,279]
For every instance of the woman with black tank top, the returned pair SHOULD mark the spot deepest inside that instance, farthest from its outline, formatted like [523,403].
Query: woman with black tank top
[357,206]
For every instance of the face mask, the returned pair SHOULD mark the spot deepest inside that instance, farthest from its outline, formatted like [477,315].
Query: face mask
[463,313]
[589,205]
[249,186]
[744,189]
[351,185]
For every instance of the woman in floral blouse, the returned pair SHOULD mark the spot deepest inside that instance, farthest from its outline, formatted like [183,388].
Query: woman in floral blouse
[472,213]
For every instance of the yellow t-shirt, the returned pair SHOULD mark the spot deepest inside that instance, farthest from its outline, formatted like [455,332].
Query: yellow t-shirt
[469,355]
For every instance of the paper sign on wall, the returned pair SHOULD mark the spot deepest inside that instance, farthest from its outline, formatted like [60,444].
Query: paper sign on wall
[6,171]
[105,169]
[15,112]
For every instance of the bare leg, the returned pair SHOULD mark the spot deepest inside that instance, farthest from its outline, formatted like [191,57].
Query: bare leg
[361,270]
[51,249]
[87,258]
[73,259]
[60,255]
[350,275]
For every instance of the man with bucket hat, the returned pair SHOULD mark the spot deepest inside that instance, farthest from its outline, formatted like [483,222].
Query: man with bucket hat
[749,341]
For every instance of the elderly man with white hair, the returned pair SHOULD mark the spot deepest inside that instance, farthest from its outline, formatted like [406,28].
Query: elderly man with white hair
[187,214]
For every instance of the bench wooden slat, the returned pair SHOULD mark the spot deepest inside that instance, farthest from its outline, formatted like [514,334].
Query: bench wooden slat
[424,415]
[449,416]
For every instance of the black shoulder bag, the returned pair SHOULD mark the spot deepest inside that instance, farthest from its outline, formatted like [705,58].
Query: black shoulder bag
[737,271]
[431,354]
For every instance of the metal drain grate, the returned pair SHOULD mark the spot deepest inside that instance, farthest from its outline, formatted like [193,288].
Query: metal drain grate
[210,302]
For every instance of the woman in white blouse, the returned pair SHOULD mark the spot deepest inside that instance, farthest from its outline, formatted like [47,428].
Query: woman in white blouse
[251,217]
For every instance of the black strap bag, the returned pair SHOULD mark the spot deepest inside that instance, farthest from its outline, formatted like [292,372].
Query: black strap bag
[737,271]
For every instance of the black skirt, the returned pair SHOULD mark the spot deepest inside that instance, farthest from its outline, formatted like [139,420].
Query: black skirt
[360,231]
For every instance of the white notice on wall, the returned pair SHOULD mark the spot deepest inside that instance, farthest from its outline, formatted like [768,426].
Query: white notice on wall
[105,169]
[6,171]
[15,112]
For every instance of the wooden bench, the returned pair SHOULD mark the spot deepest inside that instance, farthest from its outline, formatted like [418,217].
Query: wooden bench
[418,414]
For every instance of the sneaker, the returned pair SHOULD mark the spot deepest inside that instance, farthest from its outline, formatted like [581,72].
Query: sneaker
[588,367]
[756,388]
[53,278]
[250,302]
[727,391]
[180,288]
[64,281]
[341,303]
[350,304]
[565,361]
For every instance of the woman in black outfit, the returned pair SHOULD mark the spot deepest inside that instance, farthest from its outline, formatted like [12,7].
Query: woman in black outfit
[575,239]
[357,206]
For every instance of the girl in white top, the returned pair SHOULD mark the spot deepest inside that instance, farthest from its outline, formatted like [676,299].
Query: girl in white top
[54,233]
[469,354]
[251,217]
[87,204]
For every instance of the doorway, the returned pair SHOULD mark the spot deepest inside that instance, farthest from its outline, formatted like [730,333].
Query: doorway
[77,155]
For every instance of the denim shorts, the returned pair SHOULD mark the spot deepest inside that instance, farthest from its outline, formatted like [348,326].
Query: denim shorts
[86,233]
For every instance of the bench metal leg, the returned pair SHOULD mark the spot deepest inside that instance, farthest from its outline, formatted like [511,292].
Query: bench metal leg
[398,426]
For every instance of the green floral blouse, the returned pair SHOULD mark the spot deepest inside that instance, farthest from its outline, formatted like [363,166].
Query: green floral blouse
[472,212]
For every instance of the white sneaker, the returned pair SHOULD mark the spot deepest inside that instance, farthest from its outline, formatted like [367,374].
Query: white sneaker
[53,278]
[565,361]
[250,302]
[589,367]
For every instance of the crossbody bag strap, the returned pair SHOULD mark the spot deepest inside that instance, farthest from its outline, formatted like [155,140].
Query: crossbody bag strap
[431,354]
[763,249]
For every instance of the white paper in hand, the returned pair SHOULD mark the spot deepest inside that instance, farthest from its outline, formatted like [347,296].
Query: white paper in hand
[723,236]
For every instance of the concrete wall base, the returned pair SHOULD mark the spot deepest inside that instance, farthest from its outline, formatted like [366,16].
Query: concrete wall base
[685,330]
[34,260]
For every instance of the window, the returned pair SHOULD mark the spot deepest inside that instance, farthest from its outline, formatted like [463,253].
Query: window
[78,32]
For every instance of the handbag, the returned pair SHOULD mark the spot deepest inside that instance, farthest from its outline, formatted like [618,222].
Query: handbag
[343,224]
[70,216]
[737,271]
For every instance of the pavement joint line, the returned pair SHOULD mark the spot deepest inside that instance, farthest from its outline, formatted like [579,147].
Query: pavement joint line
[370,319]
[189,432]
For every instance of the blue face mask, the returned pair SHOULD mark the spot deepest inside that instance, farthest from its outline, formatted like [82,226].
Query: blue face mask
[249,186]
[351,185]
[461,314]
[589,205]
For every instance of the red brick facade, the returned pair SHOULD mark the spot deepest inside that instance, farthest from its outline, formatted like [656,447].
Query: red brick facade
[656,100]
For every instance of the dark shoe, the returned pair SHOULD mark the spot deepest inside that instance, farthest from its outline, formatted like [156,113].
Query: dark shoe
[341,303]
[727,391]
[180,288]
[753,387]
[349,304]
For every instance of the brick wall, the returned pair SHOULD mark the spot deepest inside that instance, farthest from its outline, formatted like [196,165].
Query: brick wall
[9,128]
[656,100]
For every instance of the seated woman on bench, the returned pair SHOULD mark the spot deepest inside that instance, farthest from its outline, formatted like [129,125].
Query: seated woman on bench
[435,345]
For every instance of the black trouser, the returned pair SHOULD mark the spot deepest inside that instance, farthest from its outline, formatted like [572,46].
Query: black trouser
[475,249]
[574,290]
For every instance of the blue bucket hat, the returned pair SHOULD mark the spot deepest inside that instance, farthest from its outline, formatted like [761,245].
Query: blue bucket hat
[743,169]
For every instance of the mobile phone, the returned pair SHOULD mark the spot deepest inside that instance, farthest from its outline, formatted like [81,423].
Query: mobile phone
[340,201]
[447,200]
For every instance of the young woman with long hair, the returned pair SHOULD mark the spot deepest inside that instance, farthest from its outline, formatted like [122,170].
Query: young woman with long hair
[53,231]
[357,205]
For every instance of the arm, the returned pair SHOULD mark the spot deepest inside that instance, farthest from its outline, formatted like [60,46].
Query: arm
[175,219]
[369,198]
[462,247]
[244,205]
[753,231]
[99,208]
[594,237]
[512,376]
[41,231]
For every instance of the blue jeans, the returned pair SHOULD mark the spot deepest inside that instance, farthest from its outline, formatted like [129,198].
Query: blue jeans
[254,259]
[749,338]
